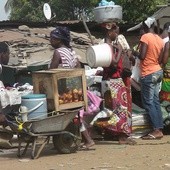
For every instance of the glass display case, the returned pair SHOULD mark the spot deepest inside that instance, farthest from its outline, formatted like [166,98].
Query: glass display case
[64,88]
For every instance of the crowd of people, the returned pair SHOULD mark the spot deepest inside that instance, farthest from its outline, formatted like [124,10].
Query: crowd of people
[153,52]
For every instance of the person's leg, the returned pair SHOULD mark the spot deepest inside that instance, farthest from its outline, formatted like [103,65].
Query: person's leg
[88,140]
[159,119]
[150,99]
[129,95]
[147,93]
[159,123]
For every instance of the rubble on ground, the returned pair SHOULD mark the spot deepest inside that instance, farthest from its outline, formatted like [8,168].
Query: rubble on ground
[31,46]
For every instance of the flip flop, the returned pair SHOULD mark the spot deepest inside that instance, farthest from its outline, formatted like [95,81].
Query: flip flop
[86,146]
[90,144]
[151,137]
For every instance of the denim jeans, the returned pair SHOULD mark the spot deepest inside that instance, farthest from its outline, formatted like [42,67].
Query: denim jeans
[150,86]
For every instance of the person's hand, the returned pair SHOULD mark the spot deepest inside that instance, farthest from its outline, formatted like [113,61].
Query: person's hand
[129,53]
[135,53]
[117,46]
[99,73]
[132,59]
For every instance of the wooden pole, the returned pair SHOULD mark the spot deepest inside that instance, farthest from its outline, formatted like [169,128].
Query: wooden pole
[87,29]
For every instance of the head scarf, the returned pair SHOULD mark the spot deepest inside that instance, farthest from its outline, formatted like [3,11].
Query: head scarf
[150,21]
[62,33]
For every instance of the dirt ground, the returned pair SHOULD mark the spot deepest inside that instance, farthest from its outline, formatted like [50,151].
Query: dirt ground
[105,155]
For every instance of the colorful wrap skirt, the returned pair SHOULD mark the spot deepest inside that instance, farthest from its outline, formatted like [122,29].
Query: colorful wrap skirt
[114,93]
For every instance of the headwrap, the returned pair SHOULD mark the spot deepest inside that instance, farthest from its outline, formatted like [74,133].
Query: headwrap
[150,21]
[62,33]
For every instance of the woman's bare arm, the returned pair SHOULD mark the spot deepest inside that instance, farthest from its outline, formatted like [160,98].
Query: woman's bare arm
[55,60]
[163,59]
[116,55]
[142,51]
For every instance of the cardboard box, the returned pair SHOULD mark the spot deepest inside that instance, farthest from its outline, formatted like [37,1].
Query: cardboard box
[65,88]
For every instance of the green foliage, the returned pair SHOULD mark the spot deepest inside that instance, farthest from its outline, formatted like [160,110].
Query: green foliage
[135,11]
[71,9]
[27,10]
[31,10]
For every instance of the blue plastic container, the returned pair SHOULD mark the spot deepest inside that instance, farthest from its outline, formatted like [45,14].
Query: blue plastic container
[36,104]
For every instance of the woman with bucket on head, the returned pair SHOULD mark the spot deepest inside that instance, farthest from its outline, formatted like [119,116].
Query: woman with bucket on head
[114,90]
[64,57]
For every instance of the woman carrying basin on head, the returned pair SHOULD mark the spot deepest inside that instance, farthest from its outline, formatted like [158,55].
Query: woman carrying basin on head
[114,91]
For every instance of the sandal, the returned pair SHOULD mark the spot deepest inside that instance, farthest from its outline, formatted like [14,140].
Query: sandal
[151,137]
[87,146]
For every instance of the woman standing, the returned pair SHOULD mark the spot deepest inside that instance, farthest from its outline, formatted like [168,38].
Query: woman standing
[65,57]
[150,55]
[114,90]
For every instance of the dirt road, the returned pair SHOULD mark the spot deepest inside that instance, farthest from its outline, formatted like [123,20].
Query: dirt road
[106,155]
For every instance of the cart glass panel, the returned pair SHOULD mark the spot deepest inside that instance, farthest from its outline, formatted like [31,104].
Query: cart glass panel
[70,89]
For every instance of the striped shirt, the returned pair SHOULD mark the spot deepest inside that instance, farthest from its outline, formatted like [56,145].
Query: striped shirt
[68,58]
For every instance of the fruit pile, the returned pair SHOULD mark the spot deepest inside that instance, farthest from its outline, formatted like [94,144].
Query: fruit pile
[70,96]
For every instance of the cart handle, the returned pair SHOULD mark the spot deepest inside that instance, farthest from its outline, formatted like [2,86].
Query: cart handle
[33,109]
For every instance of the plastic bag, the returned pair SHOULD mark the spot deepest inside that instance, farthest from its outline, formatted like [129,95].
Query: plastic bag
[136,73]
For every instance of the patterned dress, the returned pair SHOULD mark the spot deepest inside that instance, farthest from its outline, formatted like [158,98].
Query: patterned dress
[117,97]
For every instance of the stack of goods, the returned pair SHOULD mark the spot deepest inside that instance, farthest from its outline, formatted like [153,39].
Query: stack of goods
[165,108]
[10,96]
[140,122]
[69,96]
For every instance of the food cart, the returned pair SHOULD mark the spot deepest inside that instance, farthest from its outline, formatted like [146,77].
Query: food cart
[66,95]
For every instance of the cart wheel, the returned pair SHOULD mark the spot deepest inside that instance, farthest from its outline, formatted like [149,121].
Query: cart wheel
[65,143]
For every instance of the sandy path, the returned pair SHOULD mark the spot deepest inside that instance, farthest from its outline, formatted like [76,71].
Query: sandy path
[106,155]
